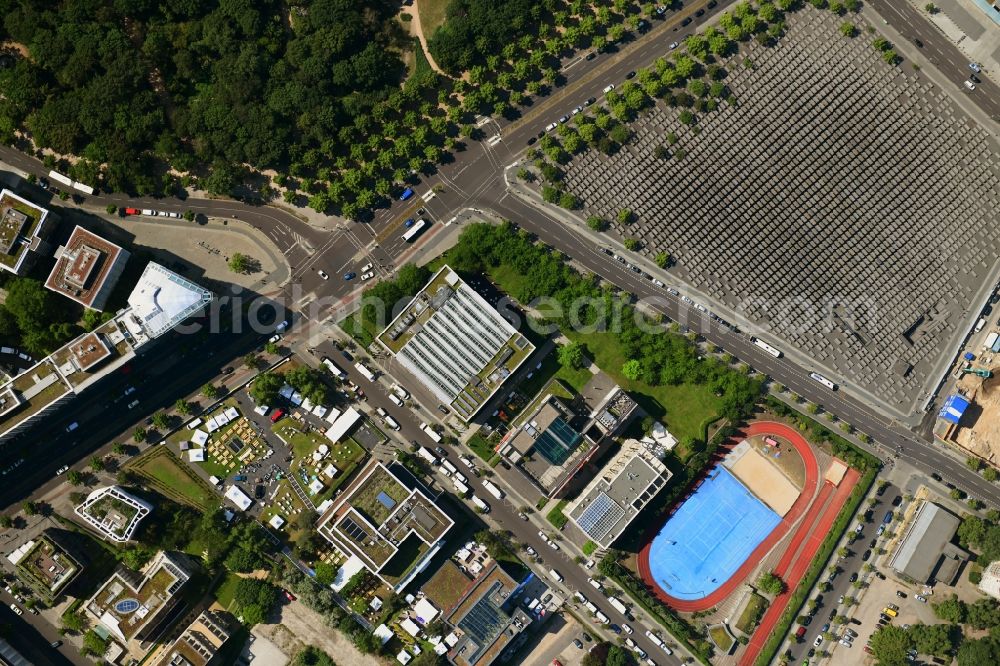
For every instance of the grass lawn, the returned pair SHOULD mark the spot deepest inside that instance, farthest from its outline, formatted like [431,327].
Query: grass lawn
[481,447]
[174,479]
[556,515]
[226,589]
[722,638]
[356,329]
[751,614]
[575,378]
[589,548]
[432,15]
[684,409]
[302,444]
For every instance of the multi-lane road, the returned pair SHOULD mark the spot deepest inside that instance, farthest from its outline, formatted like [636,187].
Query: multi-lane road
[475,180]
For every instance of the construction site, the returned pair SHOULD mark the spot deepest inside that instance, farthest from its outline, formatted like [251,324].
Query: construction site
[970,417]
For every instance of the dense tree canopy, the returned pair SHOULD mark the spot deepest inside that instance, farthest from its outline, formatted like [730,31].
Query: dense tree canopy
[475,29]
[219,82]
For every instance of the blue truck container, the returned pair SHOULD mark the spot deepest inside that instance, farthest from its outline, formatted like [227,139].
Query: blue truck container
[407,193]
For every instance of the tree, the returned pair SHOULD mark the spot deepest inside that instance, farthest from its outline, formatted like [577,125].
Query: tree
[160,420]
[631,369]
[770,583]
[662,259]
[239,263]
[979,652]
[596,223]
[632,244]
[990,474]
[571,355]
[983,613]
[625,216]
[74,622]
[29,508]
[313,656]
[950,610]
[935,639]
[93,644]
[973,463]
[74,478]
[210,391]
[325,573]
[890,645]
[182,407]
[272,348]
[139,435]
[253,598]
[5,521]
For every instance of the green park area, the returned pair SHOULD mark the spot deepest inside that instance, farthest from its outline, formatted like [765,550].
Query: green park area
[172,478]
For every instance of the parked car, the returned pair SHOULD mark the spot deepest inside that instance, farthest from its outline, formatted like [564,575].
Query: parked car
[922,599]
[62,470]
[322,274]
[350,276]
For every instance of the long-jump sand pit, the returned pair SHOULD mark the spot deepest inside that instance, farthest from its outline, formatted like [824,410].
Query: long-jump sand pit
[762,478]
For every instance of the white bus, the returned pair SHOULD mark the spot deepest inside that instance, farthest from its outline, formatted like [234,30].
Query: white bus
[58,177]
[823,380]
[483,506]
[429,431]
[415,230]
[334,369]
[426,454]
[776,353]
[492,489]
[365,372]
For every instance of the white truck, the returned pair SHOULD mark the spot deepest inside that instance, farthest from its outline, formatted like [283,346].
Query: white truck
[365,372]
[334,369]
[601,617]
[492,489]
[483,506]
[391,422]
[426,454]
[617,604]
[400,392]
[429,431]
[448,466]
[657,641]
[460,488]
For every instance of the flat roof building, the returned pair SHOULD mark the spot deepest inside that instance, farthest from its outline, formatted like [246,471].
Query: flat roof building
[133,606]
[990,582]
[925,552]
[113,513]
[389,521]
[87,269]
[486,619]
[560,435]
[200,642]
[24,226]
[161,300]
[618,494]
[45,566]
[455,343]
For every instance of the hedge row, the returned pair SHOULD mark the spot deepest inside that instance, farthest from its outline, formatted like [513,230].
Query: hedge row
[819,562]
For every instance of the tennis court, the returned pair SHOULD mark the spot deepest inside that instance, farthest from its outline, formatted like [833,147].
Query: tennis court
[709,536]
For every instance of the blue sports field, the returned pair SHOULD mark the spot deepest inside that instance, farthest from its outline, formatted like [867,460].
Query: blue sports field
[709,537]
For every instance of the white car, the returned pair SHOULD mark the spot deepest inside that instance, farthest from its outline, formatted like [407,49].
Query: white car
[970,85]
[367,267]
[16,609]
[133,404]
[543,536]
[61,470]
[323,274]
[608,88]
[553,545]
[531,551]
[627,629]
[577,110]
[176,216]
[975,67]
[367,276]
[551,126]
[274,338]
[673,45]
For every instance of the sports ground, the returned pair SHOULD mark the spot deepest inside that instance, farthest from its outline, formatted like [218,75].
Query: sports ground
[722,549]
[709,537]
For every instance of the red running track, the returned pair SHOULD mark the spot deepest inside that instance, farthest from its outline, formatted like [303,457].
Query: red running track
[801,564]
[798,508]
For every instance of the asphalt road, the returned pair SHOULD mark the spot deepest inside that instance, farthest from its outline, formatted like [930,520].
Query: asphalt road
[908,21]
[475,180]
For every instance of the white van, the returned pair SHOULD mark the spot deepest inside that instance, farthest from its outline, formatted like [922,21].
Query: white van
[395,400]
[970,85]
[391,422]
[596,584]
[556,576]
[400,392]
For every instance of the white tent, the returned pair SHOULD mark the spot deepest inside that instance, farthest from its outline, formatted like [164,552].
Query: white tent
[425,611]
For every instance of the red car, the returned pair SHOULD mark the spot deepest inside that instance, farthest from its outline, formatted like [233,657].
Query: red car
[132,211]
[288,595]
[278,413]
